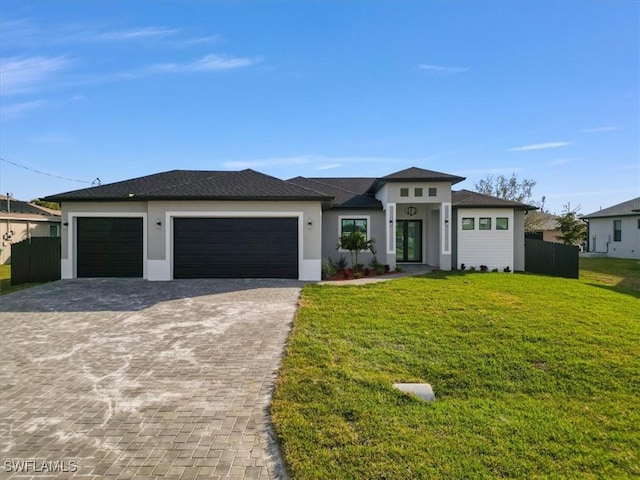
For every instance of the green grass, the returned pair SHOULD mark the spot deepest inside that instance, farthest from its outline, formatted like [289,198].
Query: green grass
[5,281]
[619,274]
[535,377]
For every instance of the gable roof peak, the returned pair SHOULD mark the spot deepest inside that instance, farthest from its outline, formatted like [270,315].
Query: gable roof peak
[416,174]
[630,207]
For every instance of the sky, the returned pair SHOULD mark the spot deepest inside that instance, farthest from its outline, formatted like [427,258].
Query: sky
[116,90]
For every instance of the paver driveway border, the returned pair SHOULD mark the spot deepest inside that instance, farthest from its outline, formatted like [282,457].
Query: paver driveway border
[123,378]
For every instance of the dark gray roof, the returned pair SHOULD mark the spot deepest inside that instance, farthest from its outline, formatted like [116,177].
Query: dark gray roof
[630,207]
[346,192]
[415,174]
[467,198]
[18,206]
[195,185]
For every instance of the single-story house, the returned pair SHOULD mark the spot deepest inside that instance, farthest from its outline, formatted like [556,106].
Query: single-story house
[230,224]
[545,228]
[615,231]
[21,220]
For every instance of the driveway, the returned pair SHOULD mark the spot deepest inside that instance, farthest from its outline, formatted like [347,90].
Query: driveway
[123,378]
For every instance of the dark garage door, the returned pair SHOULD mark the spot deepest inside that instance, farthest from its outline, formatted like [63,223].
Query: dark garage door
[109,247]
[235,248]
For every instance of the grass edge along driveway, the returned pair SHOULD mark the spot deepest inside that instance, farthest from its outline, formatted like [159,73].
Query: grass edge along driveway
[534,377]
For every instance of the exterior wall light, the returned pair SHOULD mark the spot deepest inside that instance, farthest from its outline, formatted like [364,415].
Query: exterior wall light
[309,223]
[158,223]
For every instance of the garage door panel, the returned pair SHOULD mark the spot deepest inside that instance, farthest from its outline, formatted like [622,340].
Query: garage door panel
[109,247]
[236,248]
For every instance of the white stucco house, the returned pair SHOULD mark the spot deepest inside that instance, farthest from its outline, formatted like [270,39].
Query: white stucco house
[221,224]
[22,220]
[615,231]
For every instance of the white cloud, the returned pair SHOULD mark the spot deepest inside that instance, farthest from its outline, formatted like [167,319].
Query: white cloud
[21,75]
[197,40]
[539,146]
[54,138]
[208,63]
[267,162]
[442,70]
[323,162]
[599,129]
[21,108]
[488,171]
[134,34]
[328,166]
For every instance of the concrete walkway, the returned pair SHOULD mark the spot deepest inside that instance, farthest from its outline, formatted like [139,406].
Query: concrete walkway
[408,270]
[132,379]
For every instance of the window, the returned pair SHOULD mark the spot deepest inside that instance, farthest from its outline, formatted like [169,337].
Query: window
[433,192]
[404,192]
[418,192]
[349,225]
[617,230]
[53,230]
[639,224]
[468,223]
[502,223]
[484,223]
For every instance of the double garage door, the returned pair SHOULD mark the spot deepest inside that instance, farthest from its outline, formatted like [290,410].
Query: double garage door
[202,247]
[235,248]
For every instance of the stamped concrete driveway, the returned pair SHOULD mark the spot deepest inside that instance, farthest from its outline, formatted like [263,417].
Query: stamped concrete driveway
[133,379]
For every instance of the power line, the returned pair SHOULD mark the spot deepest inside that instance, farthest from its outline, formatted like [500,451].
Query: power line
[45,173]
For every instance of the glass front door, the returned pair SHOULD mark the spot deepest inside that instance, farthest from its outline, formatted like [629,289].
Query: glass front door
[409,241]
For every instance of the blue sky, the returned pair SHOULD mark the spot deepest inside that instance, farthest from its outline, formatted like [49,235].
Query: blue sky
[116,90]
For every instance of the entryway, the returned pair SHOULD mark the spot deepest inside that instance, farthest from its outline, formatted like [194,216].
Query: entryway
[409,241]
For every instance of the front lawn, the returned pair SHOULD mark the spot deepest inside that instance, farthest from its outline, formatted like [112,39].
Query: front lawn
[534,377]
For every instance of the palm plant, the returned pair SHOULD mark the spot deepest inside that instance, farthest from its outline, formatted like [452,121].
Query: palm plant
[355,242]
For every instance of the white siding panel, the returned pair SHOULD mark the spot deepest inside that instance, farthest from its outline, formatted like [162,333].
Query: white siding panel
[493,248]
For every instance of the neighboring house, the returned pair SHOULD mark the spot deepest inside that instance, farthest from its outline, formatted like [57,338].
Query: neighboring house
[615,231]
[545,228]
[22,220]
[197,224]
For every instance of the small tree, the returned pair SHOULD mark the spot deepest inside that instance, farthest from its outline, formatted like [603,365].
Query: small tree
[355,242]
[572,228]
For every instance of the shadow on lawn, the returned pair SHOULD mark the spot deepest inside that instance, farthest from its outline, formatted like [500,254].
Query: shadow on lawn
[626,286]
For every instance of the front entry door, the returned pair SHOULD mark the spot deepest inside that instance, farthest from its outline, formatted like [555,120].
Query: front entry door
[409,241]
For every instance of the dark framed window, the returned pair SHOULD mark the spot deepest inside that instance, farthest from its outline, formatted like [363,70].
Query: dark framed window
[617,230]
[502,223]
[484,223]
[468,223]
[418,192]
[53,230]
[349,225]
[433,192]
[639,224]
[404,192]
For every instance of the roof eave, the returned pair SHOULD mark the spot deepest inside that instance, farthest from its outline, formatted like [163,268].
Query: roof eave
[142,198]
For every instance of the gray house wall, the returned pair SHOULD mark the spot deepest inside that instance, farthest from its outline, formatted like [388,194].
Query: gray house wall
[518,240]
[157,239]
[330,234]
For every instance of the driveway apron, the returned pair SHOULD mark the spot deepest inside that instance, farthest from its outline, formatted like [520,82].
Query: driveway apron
[123,378]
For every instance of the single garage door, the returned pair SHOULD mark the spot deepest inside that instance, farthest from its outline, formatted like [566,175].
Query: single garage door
[109,247]
[235,248]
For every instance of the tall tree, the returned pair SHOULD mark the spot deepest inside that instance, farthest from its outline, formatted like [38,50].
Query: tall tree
[508,188]
[511,188]
[573,229]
